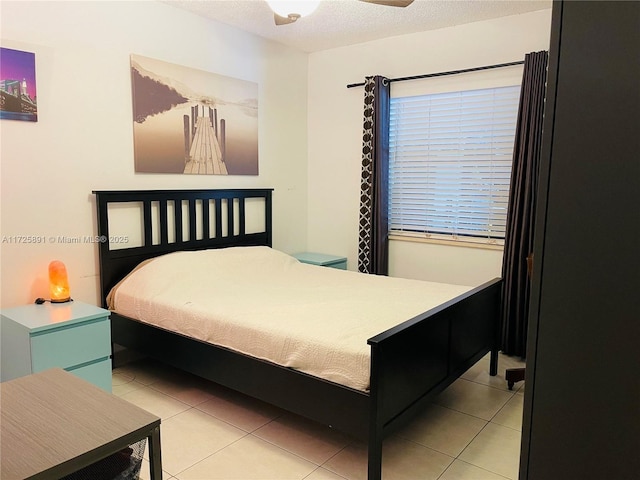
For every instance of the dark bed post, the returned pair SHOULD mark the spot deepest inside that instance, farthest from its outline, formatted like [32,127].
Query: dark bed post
[375,457]
[103,245]
[493,362]
[375,418]
[269,217]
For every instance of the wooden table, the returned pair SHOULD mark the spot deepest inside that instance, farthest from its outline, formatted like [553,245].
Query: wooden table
[53,424]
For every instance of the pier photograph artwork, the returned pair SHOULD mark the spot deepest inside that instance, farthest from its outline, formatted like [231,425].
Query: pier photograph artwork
[191,121]
[18,85]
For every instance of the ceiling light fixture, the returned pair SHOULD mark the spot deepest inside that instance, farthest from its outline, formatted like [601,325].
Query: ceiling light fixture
[288,11]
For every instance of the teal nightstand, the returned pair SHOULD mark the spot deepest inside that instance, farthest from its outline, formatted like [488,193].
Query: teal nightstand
[74,336]
[322,259]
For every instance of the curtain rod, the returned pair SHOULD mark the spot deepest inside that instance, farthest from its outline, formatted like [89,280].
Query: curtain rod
[442,74]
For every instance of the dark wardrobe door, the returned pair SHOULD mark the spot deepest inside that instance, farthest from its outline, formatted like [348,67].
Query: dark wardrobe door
[582,391]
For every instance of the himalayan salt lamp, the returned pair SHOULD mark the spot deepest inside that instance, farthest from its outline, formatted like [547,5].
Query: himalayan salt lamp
[58,282]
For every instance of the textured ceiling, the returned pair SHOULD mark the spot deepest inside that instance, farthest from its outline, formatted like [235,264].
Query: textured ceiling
[338,23]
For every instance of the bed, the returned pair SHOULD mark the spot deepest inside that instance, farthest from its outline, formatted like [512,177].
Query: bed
[408,363]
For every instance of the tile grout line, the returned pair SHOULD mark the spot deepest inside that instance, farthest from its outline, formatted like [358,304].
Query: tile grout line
[323,465]
[210,455]
[233,425]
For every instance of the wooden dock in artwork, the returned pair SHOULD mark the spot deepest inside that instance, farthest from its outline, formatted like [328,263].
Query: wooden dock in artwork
[204,144]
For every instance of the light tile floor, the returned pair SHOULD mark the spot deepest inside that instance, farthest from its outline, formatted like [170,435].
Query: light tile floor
[470,432]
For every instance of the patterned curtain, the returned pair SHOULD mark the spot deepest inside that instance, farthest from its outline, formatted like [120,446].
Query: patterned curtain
[373,255]
[518,243]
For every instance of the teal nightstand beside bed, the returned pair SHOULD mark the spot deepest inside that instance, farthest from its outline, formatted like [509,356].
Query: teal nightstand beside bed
[322,259]
[74,336]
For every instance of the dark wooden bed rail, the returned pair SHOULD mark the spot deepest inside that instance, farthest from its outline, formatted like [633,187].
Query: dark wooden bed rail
[410,363]
[421,357]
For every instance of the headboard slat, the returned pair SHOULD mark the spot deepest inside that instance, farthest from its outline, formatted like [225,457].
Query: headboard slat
[241,216]
[205,220]
[218,207]
[192,219]
[230,217]
[178,219]
[164,231]
[147,224]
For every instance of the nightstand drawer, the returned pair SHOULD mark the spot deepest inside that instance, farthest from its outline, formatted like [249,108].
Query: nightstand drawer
[98,373]
[342,265]
[71,345]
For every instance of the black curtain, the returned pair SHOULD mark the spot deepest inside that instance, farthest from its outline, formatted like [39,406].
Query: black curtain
[518,248]
[373,247]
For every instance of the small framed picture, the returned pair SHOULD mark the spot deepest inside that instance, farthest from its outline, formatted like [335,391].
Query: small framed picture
[18,98]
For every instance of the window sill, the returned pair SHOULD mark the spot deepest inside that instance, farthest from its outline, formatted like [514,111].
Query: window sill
[442,241]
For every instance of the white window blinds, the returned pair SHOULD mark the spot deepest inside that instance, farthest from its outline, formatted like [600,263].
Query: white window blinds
[450,158]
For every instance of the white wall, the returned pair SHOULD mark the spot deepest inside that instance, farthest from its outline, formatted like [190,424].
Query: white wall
[83,139]
[335,132]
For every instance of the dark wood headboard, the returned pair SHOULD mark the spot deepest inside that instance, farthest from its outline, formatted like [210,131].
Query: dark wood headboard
[166,229]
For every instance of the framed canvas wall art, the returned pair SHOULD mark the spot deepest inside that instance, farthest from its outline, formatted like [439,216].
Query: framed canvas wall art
[191,121]
[18,99]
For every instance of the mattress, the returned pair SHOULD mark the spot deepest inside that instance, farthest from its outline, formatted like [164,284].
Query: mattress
[265,303]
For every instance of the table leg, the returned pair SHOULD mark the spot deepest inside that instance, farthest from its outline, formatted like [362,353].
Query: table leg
[155,454]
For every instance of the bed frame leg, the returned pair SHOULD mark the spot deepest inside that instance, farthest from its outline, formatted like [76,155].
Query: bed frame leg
[375,459]
[493,362]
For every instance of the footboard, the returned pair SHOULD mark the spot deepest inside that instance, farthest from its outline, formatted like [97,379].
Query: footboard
[419,358]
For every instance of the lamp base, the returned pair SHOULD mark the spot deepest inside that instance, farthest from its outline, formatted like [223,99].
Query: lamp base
[61,300]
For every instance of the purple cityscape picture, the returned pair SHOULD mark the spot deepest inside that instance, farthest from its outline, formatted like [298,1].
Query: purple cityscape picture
[18,99]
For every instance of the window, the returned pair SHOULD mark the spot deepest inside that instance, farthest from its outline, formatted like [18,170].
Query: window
[450,158]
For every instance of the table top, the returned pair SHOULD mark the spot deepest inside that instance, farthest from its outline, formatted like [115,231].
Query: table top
[54,422]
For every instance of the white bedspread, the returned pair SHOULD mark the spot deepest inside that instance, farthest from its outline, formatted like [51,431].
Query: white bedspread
[266,304]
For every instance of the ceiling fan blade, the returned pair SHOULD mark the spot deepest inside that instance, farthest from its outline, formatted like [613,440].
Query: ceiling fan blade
[280,20]
[390,3]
